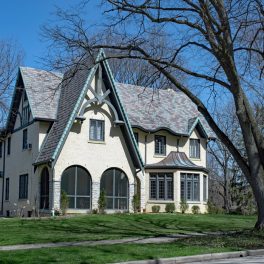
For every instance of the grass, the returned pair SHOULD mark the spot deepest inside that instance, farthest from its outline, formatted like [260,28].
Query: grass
[125,252]
[98,227]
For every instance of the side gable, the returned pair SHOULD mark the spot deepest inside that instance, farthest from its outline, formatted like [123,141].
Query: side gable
[42,92]
[196,123]
[73,93]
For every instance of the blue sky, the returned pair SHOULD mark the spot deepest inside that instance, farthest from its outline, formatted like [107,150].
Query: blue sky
[20,21]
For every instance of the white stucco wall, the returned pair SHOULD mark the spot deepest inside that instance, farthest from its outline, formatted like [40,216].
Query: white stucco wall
[171,145]
[96,157]
[20,162]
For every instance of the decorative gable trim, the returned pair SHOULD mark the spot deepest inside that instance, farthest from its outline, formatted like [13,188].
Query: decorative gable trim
[203,130]
[77,110]
[73,114]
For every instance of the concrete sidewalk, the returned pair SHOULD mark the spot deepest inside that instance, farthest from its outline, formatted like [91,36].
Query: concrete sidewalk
[136,240]
[255,256]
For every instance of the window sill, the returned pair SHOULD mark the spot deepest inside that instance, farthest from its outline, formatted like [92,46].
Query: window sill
[159,155]
[96,142]
[160,201]
[193,202]
[198,159]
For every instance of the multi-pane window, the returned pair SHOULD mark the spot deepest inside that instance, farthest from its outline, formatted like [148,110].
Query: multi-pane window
[25,115]
[1,149]
[44,189]
[136,136]
[114,182]
[23,186]
[160,145]
[76,182]
[195,148]
[96,130]
[205,188]
[9,146]
[7,189]
[25,138]
[190,187]
[161,186]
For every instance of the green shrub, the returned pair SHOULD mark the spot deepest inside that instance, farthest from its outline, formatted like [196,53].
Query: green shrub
[184,206]
[212,209]
[64,202]
[155,208]
[102,202]
[95,211]
[195,209]
[136,202]
[170,208]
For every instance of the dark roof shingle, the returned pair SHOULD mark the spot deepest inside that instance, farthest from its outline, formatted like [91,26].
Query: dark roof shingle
[153,110]
[70,93]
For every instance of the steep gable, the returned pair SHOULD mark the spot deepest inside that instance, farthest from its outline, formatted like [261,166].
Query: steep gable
[42,90]
[73,91]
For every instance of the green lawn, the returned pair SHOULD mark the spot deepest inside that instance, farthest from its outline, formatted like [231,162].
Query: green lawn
[125,252]
[97,227]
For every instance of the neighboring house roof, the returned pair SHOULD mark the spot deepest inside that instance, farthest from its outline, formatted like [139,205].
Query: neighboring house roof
[43,92]
[42,89]
[153,110]
[175,160]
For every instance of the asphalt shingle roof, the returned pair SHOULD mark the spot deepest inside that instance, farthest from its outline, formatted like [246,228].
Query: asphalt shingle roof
[70,92]
[153,110]
[43,91]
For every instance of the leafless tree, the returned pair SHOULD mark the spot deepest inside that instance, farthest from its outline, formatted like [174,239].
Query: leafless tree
[221,42]
[10,59]
[228,181]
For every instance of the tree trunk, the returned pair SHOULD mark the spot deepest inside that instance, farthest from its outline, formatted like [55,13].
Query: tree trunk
[255,176]
[258,190]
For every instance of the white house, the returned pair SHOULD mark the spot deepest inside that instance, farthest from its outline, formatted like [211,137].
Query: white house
[84,132]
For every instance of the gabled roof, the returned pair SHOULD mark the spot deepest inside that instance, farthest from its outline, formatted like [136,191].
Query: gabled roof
[42,89]
[176,160]
[73,91]
[43,92]
[170,110]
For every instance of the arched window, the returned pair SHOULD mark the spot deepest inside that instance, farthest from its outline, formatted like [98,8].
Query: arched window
[76,182]
[44,189]
[115,184]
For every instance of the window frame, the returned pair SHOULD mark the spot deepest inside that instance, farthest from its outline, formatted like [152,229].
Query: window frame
[97,121]
[7,186]
[75,196]
[115,198]
[25,115]
[187,181]
[197,148]
[25,139]
[23,186]
[161,149]
[205,184]
[157,179]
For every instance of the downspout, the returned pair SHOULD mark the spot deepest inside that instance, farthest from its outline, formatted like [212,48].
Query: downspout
[3,185]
